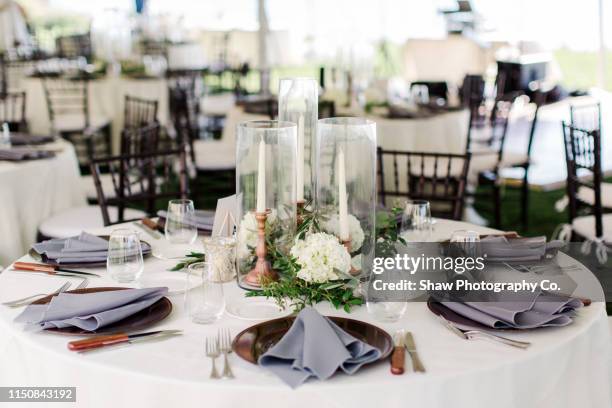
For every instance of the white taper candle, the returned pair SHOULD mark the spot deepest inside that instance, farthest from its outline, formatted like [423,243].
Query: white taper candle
[342,199]
[261,178]
[300,159]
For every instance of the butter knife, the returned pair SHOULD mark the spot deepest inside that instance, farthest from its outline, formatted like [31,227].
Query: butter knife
[417,366]
[97,342]
[152,233]
[398,357]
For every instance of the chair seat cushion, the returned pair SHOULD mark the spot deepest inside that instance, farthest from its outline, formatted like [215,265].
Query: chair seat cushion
[588,195]
[585,227]
[76,123]
[75,220]
[214,155]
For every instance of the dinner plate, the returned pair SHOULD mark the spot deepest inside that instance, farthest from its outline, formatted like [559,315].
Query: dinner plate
[251,343]
[44,259]
[153,314]
[256,308]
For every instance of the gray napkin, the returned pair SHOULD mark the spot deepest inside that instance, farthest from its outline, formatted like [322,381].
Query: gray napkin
[21,139]
[535,309]
[85,248]
[89,311]
[316,347]
[502,249]
[201,219]
[19,154]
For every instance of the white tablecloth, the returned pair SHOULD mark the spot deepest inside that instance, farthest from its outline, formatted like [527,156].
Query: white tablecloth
[32,191]
[106,101]
[565,367]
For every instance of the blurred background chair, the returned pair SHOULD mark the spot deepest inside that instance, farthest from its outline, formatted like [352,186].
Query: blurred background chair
[12,111]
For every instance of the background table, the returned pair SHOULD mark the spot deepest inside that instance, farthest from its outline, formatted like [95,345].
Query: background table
[565,367]
[32,191]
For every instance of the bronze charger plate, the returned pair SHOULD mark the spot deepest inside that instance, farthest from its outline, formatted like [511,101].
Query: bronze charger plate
[153,314]
[42,258]
[254,341]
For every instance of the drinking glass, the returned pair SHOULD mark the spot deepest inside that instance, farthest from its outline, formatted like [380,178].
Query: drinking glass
[204,298]
[416,221]
[124,260]
[180,222]
[467,241]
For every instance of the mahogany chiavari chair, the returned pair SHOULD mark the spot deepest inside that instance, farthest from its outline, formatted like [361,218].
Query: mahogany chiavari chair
[583,162]
[12,111]
[439,178]
[139,111]
[68,108]
[139,181]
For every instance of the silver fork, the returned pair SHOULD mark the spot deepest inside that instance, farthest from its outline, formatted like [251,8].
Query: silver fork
[83,284]
[225,346]
[212,351]
[27,300]
[477,334]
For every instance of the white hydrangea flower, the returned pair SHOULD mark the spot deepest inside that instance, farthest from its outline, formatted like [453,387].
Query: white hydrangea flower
[356,234]
[320,257]
[247,233]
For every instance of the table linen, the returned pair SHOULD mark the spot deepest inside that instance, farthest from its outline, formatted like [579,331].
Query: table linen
[564,367]
[33,191]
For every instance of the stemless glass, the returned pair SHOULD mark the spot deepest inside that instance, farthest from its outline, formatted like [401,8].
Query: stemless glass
[180,226]
[124,261]
[467,241]
[416,221]
[204,298]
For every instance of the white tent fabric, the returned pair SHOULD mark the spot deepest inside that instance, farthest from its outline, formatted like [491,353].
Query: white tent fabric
[13,30]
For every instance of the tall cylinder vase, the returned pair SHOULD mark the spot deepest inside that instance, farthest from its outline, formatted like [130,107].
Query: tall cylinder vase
[265,191]
[298,103]
[346,186]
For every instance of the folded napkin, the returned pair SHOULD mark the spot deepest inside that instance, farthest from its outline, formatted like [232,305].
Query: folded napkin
[89,311]
[535,309]
[21,139]
[19,154]
[502,249]
[85,248]
[201,219]
[314,346]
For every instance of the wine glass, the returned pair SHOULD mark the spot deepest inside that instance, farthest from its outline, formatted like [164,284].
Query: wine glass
[204,298]
[124,261]
[416,221]
[180,225]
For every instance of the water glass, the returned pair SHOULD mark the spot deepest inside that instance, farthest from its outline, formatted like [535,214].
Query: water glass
[124,261]
[180,222]
[416,221]
[204,298]
[467,241]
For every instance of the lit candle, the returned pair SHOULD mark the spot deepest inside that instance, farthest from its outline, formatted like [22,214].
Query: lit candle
[261,178]
[342,201]
[300,159]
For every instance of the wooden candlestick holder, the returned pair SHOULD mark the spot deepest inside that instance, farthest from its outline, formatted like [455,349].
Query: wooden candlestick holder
[261,270]
[347,245]
[300,211]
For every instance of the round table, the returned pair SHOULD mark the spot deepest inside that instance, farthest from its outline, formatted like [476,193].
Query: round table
[31,191]
[567,366]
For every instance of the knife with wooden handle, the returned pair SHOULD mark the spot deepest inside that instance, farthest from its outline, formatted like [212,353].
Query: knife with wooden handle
[417,366]
[114,339]
[398,356]
[49,269]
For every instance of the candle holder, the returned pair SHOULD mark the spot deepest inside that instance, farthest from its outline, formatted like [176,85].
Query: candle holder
[262,270]
[298,102]
[346,186]
[269,184]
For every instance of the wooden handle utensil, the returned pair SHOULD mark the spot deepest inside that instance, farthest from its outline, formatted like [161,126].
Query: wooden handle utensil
[398,360]
[97,342]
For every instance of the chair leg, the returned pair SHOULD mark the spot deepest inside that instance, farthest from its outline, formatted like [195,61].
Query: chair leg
[497,205]
[525,200]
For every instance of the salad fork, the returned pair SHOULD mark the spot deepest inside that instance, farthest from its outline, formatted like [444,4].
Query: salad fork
[212,351]
[225,346]
[83,284]
[26,300]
